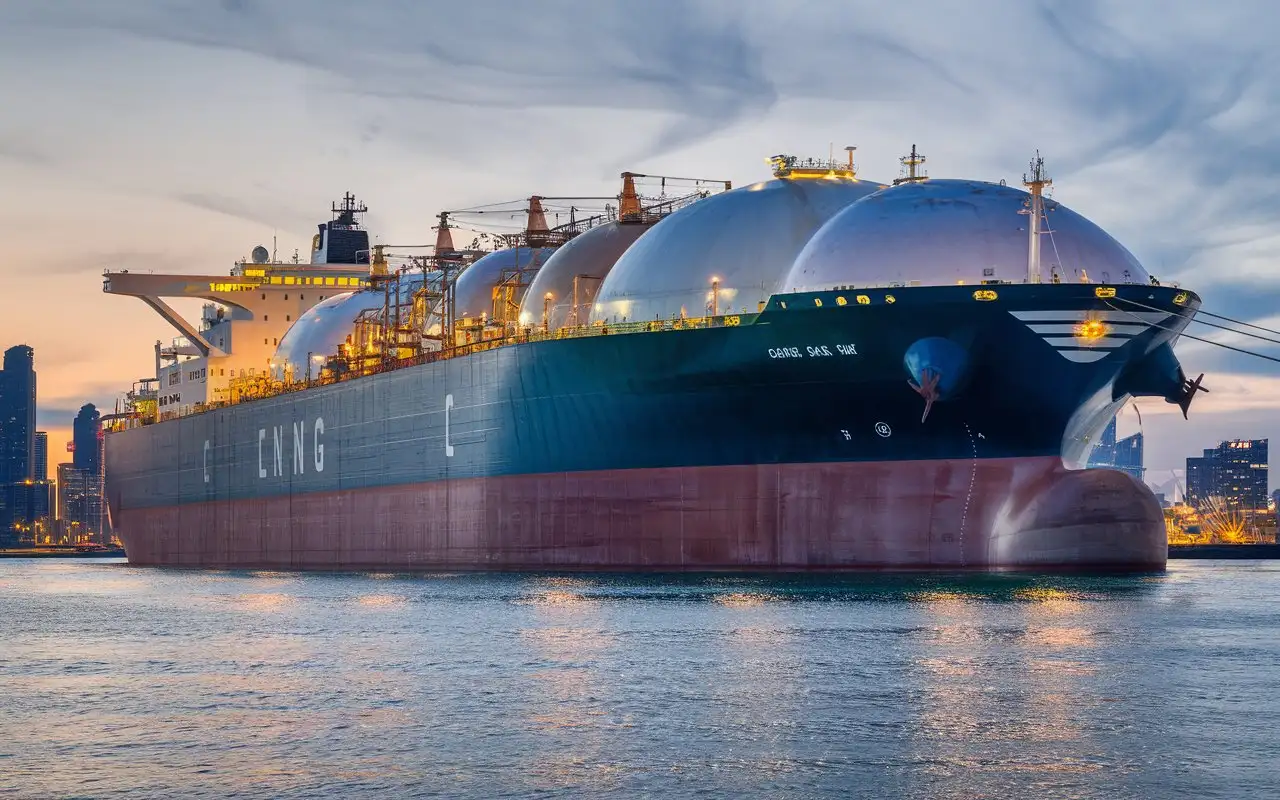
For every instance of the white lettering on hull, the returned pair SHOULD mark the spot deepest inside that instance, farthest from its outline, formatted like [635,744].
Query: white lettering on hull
[298,429]
[319,448]
[205,460]
[279,443]
[813,351]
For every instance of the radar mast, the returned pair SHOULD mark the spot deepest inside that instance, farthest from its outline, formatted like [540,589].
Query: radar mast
[1035,183]
[911,167]
[344,216]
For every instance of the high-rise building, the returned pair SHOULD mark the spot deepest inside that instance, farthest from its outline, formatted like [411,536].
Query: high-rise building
[87,458]
[1104,452]
[17,415]
[73,506]
[40,471]
[1235,472]
[85,432]
[17,442]
[1128,456]
[1124,455]
[1240,474]
[1199,478]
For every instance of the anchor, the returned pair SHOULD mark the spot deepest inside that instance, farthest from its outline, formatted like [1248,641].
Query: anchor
[1189,389]
[927,388]
[936,369]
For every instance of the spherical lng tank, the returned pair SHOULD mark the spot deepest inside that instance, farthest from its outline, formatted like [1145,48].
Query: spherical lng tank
[318,332]
[744,240]
[473,290]
[588,258]
[943,232]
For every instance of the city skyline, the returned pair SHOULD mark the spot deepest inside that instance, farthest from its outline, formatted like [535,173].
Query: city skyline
[29,506]
[214,130]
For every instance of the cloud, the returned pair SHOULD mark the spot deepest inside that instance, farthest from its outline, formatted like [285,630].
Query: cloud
[1230,393]
[134,260]
[14,148]
[249,210]
[58,412]
[1156,118]
[56,416]
[669,56]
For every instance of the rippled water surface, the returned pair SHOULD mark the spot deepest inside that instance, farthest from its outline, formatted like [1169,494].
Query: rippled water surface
[117,680]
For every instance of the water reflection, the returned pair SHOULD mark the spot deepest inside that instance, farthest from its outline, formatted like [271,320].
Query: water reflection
[884,685]
[565,643]
[1004,687]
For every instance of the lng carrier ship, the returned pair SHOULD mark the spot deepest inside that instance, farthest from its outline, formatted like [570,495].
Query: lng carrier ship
[811,372]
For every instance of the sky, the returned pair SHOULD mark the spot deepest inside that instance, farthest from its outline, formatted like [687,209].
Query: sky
[174,135]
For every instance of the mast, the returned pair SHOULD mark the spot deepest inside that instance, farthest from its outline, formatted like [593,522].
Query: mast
[1035,183]
[628,201]
[344,216]
[911,166]
[444,239]
[536,232]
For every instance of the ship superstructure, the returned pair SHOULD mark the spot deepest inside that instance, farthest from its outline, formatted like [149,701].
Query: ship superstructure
[812,372]
[248,312]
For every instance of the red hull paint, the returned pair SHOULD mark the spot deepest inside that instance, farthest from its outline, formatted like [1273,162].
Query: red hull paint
[829,516]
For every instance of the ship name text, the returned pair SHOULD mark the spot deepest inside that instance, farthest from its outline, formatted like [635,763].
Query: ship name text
[813,351]
[279,440]
[282,450]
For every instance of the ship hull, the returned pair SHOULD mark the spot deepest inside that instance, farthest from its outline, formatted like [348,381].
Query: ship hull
[798,442]
[790,517]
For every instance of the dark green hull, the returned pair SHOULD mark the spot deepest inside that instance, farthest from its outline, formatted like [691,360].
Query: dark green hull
[816,382]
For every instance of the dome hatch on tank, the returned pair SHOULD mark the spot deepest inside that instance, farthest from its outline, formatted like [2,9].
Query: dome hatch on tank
[942,232]
[320,330]
[746,239]
[589,258]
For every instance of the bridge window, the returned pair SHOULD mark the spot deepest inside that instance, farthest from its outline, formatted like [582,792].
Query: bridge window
[286,318]
[265,317]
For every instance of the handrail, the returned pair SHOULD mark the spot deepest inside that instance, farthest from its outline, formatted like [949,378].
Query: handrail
[261,387]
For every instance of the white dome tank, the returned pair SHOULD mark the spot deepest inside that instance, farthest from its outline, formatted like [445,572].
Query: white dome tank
[473,290]
[588,257]
[318,332]
[747,239]
[943,232]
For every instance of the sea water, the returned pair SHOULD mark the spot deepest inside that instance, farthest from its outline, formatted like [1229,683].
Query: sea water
[120,681]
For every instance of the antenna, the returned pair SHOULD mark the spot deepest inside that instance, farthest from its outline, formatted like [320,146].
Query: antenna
[1035,183]
[344,216]
[911,167]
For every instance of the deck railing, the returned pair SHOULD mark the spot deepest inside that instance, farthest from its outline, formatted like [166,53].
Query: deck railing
[355,367]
